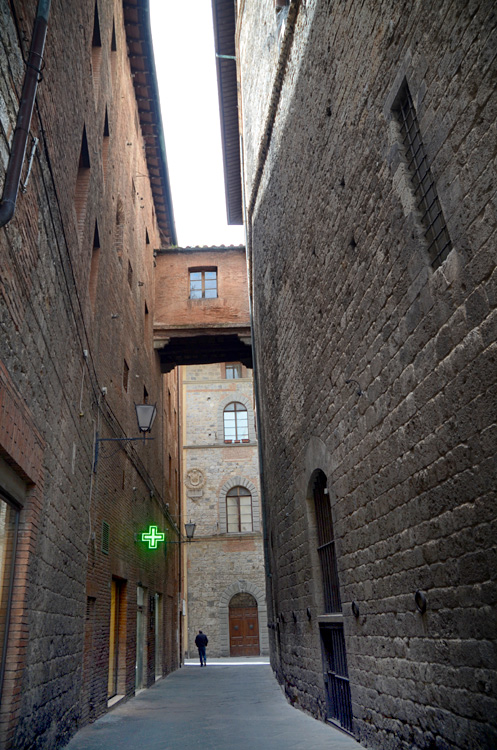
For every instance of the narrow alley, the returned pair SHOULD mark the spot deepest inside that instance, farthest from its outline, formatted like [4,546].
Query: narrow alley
[225,706]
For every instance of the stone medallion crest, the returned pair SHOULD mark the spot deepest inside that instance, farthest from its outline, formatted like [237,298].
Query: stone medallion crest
[195,479]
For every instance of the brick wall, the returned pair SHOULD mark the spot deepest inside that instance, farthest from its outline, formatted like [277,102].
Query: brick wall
[173,304]
[344,291]
[76,301]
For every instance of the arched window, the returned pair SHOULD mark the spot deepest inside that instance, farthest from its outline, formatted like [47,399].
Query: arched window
[239,510]
[326,546]
[235,422]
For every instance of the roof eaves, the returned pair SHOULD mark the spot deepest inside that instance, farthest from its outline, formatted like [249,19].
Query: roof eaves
[223,12]
[142,61]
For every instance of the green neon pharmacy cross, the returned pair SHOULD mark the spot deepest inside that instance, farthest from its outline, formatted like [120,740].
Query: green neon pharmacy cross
[152,537]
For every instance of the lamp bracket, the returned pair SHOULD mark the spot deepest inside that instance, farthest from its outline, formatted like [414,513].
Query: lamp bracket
[113,440]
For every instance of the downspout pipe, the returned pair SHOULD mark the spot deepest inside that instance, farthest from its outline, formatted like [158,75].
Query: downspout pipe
[28,96]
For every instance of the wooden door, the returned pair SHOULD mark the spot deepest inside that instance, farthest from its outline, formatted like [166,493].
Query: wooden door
[244,631]
[113,639]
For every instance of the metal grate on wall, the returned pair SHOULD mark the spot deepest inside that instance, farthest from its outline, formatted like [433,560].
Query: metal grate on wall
[339,701]
[428,204]
[105,537]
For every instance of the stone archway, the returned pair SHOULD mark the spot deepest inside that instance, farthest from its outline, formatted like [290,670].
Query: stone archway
[242,587]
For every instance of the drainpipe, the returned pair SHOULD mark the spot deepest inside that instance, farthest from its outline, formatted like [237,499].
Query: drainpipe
[30,85]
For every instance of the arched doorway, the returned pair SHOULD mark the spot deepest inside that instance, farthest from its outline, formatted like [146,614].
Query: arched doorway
[244,625]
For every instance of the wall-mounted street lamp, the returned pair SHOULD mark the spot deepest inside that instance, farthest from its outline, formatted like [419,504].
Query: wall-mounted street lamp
[190,530]
[145,416]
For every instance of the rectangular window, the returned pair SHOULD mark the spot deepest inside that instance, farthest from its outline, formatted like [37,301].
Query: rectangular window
[428,204]
[239,510]
[203,283]
[233,371]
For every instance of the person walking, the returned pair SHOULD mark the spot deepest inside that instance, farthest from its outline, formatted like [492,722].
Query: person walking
[201,642]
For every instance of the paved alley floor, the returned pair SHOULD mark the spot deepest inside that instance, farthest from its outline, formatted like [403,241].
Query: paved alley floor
[225,706]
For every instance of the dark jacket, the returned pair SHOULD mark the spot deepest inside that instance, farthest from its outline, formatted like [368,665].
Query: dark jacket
[201,640]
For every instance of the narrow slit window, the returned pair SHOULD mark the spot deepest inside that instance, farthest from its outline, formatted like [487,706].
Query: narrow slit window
[425,191]
[96,51]
[125,376]
[95,260]
[113,50]
[82,184]
[105,143]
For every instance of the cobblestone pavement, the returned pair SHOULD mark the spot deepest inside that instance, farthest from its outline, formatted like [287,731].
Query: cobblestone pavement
[225,706]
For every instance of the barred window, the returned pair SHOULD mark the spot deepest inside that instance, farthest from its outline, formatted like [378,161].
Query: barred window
[428,204]
[326,546]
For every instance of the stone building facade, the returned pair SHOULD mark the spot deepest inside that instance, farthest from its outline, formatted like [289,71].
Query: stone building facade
[369,155]
[88,612]
[225,562]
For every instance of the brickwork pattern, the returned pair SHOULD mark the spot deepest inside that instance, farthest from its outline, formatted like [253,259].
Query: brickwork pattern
[57,351]
[375,368]
[174,306]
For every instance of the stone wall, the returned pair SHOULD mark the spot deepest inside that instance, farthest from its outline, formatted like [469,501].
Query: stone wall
[374,366]
[219,562]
